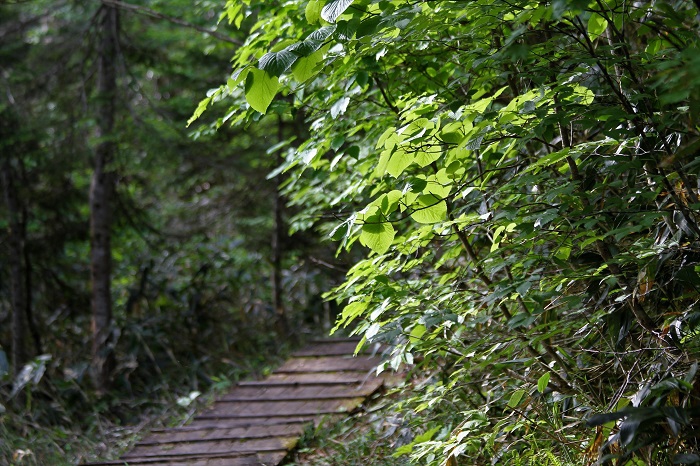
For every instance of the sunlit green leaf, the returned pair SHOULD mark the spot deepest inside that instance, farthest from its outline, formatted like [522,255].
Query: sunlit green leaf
[398,162]
[543,381]
[429,209]
[312,11]
[377,234]
[260,89]
[596,25]
[307,67]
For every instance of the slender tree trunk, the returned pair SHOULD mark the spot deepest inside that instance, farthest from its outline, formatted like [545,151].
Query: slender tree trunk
[281,320]
[15,255]
[101,194]
[28,287]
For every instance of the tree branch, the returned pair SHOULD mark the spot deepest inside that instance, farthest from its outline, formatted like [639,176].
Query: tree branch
[142,10]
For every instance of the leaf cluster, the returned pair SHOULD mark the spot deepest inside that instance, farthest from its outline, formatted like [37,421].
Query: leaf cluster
[523,178]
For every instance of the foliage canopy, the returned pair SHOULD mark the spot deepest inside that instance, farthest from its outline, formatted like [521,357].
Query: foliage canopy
[523,178]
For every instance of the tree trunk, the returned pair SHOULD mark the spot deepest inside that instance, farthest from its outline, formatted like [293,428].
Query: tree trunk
[281,321]
[28,287]
[17,271]
[101,193]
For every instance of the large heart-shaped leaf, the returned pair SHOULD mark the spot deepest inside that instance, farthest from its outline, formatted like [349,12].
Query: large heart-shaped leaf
[260,89]
[334,9]
[377,234]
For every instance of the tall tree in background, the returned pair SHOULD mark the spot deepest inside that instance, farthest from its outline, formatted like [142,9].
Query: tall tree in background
[102,195]
[10,156]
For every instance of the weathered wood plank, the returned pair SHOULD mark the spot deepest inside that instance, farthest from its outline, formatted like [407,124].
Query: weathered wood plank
[281,408]
[294,391]
[238,421]
[327,364]
[212,424]
[336,348]
[233,459]
[326,378]
[206,459]
[211,447]
[223,434]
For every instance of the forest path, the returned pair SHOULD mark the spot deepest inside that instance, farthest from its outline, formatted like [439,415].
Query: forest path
[260,422]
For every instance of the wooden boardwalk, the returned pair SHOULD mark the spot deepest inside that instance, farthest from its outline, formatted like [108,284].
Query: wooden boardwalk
[260,422]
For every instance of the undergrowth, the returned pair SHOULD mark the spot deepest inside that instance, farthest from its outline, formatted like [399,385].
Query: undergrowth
[57,423]
[370,436]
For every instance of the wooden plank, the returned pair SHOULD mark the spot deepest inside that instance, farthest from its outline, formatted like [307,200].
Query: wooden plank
[336,348]
[335,340]
[206,459]
[283,408]
[233,459]
[206,424]
[327,378]
[238,421]
[320,378]
[235,447]
[327,364]
[223,434]
[294,391]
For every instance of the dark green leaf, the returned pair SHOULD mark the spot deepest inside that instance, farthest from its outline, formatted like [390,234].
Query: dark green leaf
[277,63]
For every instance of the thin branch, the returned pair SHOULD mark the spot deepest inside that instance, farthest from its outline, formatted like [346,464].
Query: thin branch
[142,10]
[386,97]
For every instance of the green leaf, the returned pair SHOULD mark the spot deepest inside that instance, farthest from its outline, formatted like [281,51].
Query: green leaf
[399,161]
[427,436]
[367,26]
[307,67]
[312,43]
[548,160]
[542,382]
[417,332]
[352,311]
[596,25]
[427,156]
[236,77]
[334,9]
[346,29]
[313,11]
[439,184]
[429,210]
[388,202]
[277,63]
[377,234]
[339,107]
[260,89]
[516,398]
[203,104]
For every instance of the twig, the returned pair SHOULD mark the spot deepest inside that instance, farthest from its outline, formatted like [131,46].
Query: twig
[142,10]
